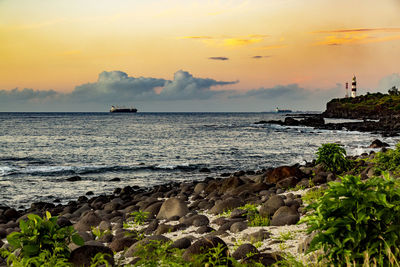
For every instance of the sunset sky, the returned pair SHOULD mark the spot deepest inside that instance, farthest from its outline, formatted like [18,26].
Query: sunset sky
[69,55]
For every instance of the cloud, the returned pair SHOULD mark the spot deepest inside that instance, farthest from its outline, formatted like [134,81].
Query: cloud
[357,36]
[360,30]
[185,86]
[258,57]
[228,41]
[116,87]
[27,95]
[267,47]
[218,58]
[389,81]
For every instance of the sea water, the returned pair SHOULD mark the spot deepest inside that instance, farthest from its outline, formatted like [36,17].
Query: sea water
[40,151]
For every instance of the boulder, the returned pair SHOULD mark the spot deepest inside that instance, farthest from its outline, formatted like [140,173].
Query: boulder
[230,184]
[181,243]
[172,207]
[87,221]
[265,259]
[153,209]
[283,172]
[244,250]
[257,236]
[238,227]
[120,244]
[82,256]
[74,178]
[285,216]
[143,244]
[203,245]
[199,188]
[204,229]
[271,205]
[288,182]
[378,144]
[225,205]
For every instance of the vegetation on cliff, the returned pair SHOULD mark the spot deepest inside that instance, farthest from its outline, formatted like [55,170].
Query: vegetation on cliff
[365,106]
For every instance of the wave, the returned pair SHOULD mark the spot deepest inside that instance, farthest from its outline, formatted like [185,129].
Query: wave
[81,170]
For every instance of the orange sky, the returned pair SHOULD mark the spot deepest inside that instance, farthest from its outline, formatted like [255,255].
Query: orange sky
[59,44]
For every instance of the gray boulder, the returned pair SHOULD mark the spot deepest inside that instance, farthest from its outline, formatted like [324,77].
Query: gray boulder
[271,205]
[172,207]
[285,216]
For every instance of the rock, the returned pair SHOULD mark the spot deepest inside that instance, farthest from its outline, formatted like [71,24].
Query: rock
[200,220]
[271,205]
[164,228]
[82,256]
[143,244]
[199,188]
[62,221]
[230,183]
[285,216]
[286,183]
[153,225]
[283,172]
[205,170]
[203,245]
[244,250]
[115,179]
[305,243]
[257,236]
[181,243]
[204,229]
[104,226]
[378,144]
[74,178]
[11,214]
[227,204]
[238,227]
[238,213]
[265,259]
[172,207]
[153,209]
[87,221]
[319,179]
[122,243]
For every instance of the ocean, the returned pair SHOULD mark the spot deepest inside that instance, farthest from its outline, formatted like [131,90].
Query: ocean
[40,151]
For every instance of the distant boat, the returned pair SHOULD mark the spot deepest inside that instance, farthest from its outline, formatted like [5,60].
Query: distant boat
[283,110]
[122,110]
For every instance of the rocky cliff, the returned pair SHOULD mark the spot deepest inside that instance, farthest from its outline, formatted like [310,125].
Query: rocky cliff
[370,106]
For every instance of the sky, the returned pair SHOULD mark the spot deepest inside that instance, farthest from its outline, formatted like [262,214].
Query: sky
[203,55]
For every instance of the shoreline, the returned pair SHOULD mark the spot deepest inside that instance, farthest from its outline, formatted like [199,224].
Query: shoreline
[187,212]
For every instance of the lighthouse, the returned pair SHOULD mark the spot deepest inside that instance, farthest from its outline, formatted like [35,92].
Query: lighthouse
[354,87]
[347,91]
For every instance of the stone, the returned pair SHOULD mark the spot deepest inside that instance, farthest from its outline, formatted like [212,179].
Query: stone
[74,178]
[271,205]
[164,228]
[153,225]
[257,236]
[319,179]
[265,259]
[199,188]
[172,207]
[285,216]
[11,214]
[144,242]
[283,172]
[225,205]
[200,220]
[62,221]
[288,182]
[203,245]
[243,250]
[121,243]
[378,144]
[181,243]
[204,229]
[87,221]
[104,226]
[238,227]
[82,256]
[230,184]
[153,209]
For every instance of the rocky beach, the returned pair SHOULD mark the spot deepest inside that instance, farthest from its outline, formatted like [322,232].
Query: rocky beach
[224,211]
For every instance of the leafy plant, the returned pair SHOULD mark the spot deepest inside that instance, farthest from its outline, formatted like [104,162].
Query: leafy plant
[333,156]
[389,160]
[286,236]
[354,217]
[41,241]
[99,233]
[100,259]
[140,217]
[256,219]
[313,195]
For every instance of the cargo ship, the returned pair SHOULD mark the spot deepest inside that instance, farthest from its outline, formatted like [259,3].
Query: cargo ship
[115,109]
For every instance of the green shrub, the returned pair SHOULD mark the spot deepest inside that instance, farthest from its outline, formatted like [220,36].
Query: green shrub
[389,160]
[333,156]
[41,241]
[140,217]
[357,221]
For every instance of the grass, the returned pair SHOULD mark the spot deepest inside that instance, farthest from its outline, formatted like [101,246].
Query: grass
[313,195]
